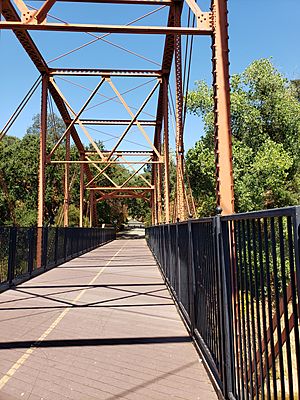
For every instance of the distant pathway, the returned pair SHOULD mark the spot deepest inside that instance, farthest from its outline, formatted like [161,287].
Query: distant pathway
[101,326]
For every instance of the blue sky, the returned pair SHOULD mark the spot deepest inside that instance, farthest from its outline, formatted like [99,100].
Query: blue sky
[257,29]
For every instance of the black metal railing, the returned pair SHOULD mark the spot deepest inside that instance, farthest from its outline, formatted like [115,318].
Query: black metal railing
[236,280]
[26,252]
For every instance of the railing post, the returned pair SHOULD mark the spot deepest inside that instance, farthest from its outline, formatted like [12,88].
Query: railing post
[223,265]
[177,267]
[191,276]
[297,251]
[168,274]
[12,255]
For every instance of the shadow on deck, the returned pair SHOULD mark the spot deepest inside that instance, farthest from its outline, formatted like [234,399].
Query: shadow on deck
[101,326]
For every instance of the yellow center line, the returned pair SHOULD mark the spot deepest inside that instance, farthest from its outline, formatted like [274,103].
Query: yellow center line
[10,373]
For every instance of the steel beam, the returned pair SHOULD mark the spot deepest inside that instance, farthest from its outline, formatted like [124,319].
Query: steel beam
[222,133]
[42,176]
[103,162]
[121,189]
[132,153]
[181,214]
[81,193]
[77,116]
[42,158]
[122,29]
[134,116]
[140,2]
[166,154]
[10,14]
[41,15]
[117,122]
[122,196]
[106,72]
[66,183]
[92,206]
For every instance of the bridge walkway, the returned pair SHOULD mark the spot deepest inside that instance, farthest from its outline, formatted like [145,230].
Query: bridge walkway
[102,326]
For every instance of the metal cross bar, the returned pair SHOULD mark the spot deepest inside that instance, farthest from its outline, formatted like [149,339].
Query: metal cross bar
[120,97]
[105,72]
[134,117]
[81,125]
[121,189]
[41,15]
[102,162]
[141,2]
[133,175]
[77,116]
[123,29]
[115,122]
[133,153]
[133,169]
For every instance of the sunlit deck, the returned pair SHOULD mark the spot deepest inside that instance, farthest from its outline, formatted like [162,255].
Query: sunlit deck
[102,326]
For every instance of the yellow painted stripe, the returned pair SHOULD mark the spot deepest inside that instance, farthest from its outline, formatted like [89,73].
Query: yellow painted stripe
[10,373]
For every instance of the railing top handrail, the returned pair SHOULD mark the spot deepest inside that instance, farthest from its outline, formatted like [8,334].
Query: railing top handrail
[57,227]
[275,212]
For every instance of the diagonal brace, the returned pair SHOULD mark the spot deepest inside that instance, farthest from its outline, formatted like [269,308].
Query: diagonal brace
[132,115]
[76,118]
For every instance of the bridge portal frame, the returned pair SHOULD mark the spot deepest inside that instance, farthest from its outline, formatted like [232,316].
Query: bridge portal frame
[21,21]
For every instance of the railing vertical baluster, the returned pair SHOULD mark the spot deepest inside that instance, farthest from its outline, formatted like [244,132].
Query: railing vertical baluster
[277,312]
[12,255]
[177,265]
[284,299]
[56,246]
[260,376]
[294,258]
[270,316]
[31,244]
[44,247]
[191,277]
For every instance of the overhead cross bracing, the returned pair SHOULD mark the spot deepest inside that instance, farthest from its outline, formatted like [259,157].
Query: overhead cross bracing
[139,98]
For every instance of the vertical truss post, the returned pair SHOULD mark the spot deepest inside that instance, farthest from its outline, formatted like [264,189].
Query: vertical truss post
[166,153]
[66,182]
[81,194]
[154,197]
[179,127]
[42,166]
[152,204]
[92,207]
[159,179]
[221,86]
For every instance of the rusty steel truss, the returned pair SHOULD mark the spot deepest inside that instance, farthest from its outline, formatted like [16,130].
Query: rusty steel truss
[95,163]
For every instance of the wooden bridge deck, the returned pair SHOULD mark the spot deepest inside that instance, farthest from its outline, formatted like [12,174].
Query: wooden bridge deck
[101,326]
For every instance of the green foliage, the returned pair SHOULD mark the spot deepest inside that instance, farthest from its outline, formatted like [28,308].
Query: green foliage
[265,120]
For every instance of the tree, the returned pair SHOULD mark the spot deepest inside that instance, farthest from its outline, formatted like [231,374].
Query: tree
[265,120]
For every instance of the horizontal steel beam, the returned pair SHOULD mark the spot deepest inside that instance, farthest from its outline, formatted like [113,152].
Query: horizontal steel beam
[121,189]
[103,162]
[123,152]
[105,72]
[114,122]
[124,29]
[141,2]
[122,196]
